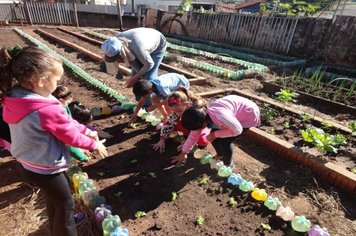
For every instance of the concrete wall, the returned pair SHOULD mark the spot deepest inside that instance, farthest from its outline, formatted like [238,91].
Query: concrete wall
[326,41]
[87,19]
[315,39]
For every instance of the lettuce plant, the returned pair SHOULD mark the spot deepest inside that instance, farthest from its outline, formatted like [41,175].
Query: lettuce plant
[325,142]
[286,96]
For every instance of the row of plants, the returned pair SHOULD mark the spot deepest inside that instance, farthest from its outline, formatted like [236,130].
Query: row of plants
[344,93]
[213,69]
[194,51]
[251,55]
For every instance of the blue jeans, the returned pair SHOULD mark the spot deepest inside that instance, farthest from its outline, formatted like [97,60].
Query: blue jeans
[152,74]
[157,59]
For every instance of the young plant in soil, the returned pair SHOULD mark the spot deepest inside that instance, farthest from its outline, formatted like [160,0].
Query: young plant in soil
[174,196]
[286,96]
[199,220]
[352,125]
[140,214]
[324,142]
[267,114]
[232,202]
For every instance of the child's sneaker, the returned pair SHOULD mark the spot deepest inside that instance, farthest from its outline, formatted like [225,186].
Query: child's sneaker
[232,165]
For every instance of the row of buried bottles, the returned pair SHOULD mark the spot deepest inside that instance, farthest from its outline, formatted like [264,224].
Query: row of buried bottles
[299,223]
[87,192]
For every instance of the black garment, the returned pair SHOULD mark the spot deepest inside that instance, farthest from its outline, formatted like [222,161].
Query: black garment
[4,129]
[60,205]
[224,147]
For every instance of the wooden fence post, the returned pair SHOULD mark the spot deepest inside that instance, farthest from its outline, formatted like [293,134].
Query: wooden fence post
[28,14]
[75,15]
[59,13]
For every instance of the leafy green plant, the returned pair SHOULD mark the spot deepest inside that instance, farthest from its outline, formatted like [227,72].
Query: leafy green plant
[139,214]
[174,196]
[118,194]
[232,202]
[305,117]
[326,124]
[286,96]
[324,142]
[266,226]
[184,6]
[152,174]
[286,125]
[204,181]
[268,114]
[199,220]
[352,125]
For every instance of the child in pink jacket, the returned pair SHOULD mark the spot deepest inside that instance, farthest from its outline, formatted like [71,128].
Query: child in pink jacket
[227,117]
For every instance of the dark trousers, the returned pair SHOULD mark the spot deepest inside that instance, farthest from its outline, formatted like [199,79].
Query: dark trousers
[60,205]
[224,148]
[4,129]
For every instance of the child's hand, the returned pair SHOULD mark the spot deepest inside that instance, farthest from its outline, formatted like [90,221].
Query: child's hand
[161,145]
[180,147]
[101,149]
[93,134]
[182,157]
[132,120]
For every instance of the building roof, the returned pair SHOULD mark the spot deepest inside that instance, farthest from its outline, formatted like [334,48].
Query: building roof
[249,3]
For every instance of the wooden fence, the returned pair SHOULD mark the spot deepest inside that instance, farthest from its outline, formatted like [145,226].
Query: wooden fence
[262,32]
[38,13]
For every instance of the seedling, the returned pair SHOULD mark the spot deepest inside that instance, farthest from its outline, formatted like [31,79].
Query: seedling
[232,202]
[323,141]
[118,194]
[305,117]
[266,226]
[101,173]
[268,115]
[134,125]
[204,181]
[152,174]
[326,124]
[286,125]
[174,196]
[352,125]
[286,96]
[199,220]
[139,214]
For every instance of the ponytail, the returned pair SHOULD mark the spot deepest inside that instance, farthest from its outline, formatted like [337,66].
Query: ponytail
[196,100]
[22,65]
[6,76]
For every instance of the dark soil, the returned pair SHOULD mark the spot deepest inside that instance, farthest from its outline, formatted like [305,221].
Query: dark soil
[129,169]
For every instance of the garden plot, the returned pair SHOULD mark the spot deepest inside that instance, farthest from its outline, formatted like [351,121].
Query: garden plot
[251,55]
[146,181]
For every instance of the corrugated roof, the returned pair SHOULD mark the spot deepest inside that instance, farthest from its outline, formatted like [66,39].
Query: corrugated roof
[249,3]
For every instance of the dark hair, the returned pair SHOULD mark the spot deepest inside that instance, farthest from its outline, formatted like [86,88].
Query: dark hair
[142,87]
[195,118]
[62,92]
[22,66]
[80,113]
[186,96]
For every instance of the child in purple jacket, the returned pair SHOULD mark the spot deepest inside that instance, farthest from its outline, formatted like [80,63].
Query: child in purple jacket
[227,116]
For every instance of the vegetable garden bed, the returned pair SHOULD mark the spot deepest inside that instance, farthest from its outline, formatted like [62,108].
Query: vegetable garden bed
[135,178]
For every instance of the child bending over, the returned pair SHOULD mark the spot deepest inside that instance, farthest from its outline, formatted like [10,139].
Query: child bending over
[178,102]
[157,90]
[227,116]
